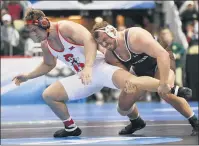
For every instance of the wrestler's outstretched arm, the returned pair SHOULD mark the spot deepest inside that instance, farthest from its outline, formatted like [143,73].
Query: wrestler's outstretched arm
[48,63]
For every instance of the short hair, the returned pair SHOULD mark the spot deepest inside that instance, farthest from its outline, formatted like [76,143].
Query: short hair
[98,26]
[33,14]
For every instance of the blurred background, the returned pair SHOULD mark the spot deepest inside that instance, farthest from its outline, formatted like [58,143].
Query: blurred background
[172,23]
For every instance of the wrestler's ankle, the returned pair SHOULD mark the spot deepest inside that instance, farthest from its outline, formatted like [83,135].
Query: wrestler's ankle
[133,117]
[193,120]
[69,123]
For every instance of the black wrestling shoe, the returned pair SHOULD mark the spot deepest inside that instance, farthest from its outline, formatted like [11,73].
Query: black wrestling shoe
[135,125]
[195,124]
[64,133]
[184,92]
[194,132]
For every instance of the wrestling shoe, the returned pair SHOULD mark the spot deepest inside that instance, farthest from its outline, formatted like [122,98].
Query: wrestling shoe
[67,132]
[195,131]
[195,124]
[135,125]
[184,92]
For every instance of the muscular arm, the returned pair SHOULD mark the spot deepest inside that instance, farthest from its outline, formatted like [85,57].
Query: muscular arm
[81,35]
[143,42]
[90,50]
[48,63]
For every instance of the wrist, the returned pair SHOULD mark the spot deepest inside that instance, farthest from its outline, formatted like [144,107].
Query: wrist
[163,83]
[28,76]
[88,65]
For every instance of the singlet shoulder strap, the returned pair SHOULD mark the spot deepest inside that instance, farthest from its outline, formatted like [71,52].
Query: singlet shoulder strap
[126,38]
[127,47]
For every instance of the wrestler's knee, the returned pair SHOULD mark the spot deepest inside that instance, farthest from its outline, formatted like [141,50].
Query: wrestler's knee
[46,95]
[167,97]
[55,92]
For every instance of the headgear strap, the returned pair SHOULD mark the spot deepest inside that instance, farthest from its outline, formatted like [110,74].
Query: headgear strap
[41,22]
[109,30]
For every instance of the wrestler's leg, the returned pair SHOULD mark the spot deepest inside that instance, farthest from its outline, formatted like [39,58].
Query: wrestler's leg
[70,88]
[127,107]
[180,104]
[55,96]
[115,77]
[126,102]
[120,77]
[130,83]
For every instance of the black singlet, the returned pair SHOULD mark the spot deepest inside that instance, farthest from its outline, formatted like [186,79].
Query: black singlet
[142,64]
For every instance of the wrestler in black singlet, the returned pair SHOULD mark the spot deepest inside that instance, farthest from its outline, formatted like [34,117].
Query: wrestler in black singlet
[143,64]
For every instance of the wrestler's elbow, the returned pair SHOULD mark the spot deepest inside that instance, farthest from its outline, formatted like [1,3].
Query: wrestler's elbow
[163,55]
[50,65]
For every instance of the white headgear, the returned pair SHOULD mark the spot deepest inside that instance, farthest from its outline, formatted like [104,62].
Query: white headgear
[109,30]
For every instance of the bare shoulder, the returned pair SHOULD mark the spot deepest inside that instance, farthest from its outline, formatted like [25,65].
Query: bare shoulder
[137,32]
[64,25]
[133,33]
[73,30]
[68,25]
[136,38]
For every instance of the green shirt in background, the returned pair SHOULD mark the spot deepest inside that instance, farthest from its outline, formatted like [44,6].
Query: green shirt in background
[178,51]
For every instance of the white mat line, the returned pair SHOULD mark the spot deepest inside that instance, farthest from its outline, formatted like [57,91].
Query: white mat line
[49,122]
[98,126]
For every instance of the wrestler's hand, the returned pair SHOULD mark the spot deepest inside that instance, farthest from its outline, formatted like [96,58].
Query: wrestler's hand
[20,79]
[86,75]
[130,87]
[164,89]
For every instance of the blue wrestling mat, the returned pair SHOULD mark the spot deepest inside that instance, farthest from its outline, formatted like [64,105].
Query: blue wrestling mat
[35,125]
[90,140]
[91,112]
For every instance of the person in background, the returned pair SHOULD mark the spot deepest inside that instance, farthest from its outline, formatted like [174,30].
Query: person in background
[191,32]
[3,12]
[26,42]
[15,9]
[9,36]
[148,24]
[189,14]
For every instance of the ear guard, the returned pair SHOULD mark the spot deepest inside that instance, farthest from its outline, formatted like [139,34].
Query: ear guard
[42,22]
[109,30]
